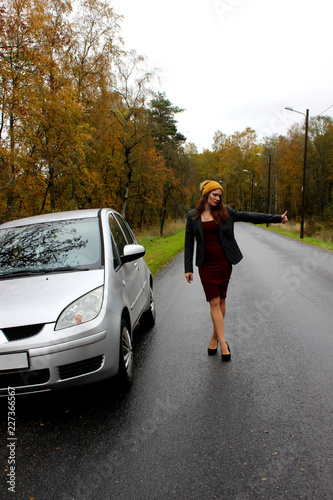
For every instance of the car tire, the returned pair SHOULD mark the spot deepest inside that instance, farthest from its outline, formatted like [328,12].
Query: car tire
[148,318]
[126,361]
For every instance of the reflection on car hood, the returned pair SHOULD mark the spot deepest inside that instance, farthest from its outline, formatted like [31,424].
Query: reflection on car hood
[40,299]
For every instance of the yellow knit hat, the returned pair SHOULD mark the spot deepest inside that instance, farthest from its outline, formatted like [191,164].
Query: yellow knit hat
[208,186]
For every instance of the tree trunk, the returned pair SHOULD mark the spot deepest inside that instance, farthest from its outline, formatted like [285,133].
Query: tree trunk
[50,189]
[125,198]
[163,215]
[164,210]
[128,170]
[11,193]
[45,196]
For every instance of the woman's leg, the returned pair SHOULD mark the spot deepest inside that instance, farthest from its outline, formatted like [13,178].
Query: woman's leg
[214,340]
[217,312]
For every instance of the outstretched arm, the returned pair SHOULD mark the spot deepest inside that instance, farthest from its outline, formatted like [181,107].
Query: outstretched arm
[254,217]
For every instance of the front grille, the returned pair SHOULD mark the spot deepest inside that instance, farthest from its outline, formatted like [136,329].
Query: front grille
[18,379]
[80,367]
[21,332]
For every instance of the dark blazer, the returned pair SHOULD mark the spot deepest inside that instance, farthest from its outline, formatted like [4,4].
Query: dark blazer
[226,233]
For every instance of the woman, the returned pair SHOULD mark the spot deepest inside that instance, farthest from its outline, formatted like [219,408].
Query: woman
[212,225]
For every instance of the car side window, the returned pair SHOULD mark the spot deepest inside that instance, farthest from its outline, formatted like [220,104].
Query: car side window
[117,234]
[124,226]
[116,260]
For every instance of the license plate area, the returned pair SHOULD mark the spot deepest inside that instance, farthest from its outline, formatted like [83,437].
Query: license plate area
[14,361]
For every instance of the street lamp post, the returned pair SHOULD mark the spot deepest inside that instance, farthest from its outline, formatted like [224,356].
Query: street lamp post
[248,171]
[269,184]
[306,114]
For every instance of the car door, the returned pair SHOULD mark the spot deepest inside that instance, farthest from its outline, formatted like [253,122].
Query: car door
[141,265]
[130,271]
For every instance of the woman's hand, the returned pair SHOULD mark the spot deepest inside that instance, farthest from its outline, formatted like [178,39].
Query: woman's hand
[284,218]
[189,277]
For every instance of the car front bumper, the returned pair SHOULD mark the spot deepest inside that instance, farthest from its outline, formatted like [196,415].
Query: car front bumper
[71,360]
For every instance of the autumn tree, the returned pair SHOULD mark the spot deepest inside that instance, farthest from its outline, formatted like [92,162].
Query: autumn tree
[96,45]
[42,114]
[17,48]
[131,91]
[168,141]
[320,161]
[234,154]
[54,132]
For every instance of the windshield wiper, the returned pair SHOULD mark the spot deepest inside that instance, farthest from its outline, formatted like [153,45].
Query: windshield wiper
[66,269]
[40,272]
[17,274]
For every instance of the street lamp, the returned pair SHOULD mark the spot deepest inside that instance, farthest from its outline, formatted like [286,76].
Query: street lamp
[306,114]
[248,171]
[269,184]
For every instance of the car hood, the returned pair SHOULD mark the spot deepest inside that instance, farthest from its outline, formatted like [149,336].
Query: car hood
[40,299]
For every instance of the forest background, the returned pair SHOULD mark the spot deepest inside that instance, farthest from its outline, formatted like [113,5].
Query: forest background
[81,126]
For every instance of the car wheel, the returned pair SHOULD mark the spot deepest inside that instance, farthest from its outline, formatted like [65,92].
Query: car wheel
[149,317]
[126,362]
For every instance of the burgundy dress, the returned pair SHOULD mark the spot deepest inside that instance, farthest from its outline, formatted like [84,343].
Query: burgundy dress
[216,270]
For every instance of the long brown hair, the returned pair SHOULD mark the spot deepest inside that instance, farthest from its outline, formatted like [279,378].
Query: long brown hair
[219,213]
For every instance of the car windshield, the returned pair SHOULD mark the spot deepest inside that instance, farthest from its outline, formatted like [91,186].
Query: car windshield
[50,247]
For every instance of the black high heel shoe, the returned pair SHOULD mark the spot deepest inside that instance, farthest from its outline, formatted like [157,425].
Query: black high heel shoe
[211,352]
[226,357]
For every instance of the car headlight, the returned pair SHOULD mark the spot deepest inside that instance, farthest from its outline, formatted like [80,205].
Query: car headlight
[82,310]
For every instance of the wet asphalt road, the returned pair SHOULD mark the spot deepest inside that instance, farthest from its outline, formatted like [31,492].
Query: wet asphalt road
[192,427]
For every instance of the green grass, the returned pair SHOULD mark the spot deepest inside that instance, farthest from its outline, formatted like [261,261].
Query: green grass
[295,235]
[161,250]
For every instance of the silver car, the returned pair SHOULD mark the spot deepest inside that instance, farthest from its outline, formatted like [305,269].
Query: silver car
[73,286]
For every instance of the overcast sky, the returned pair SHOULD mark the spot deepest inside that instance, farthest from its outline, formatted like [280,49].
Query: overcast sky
[234,64]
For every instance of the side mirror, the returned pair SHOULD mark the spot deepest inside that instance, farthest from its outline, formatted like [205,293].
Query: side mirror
[132,252]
